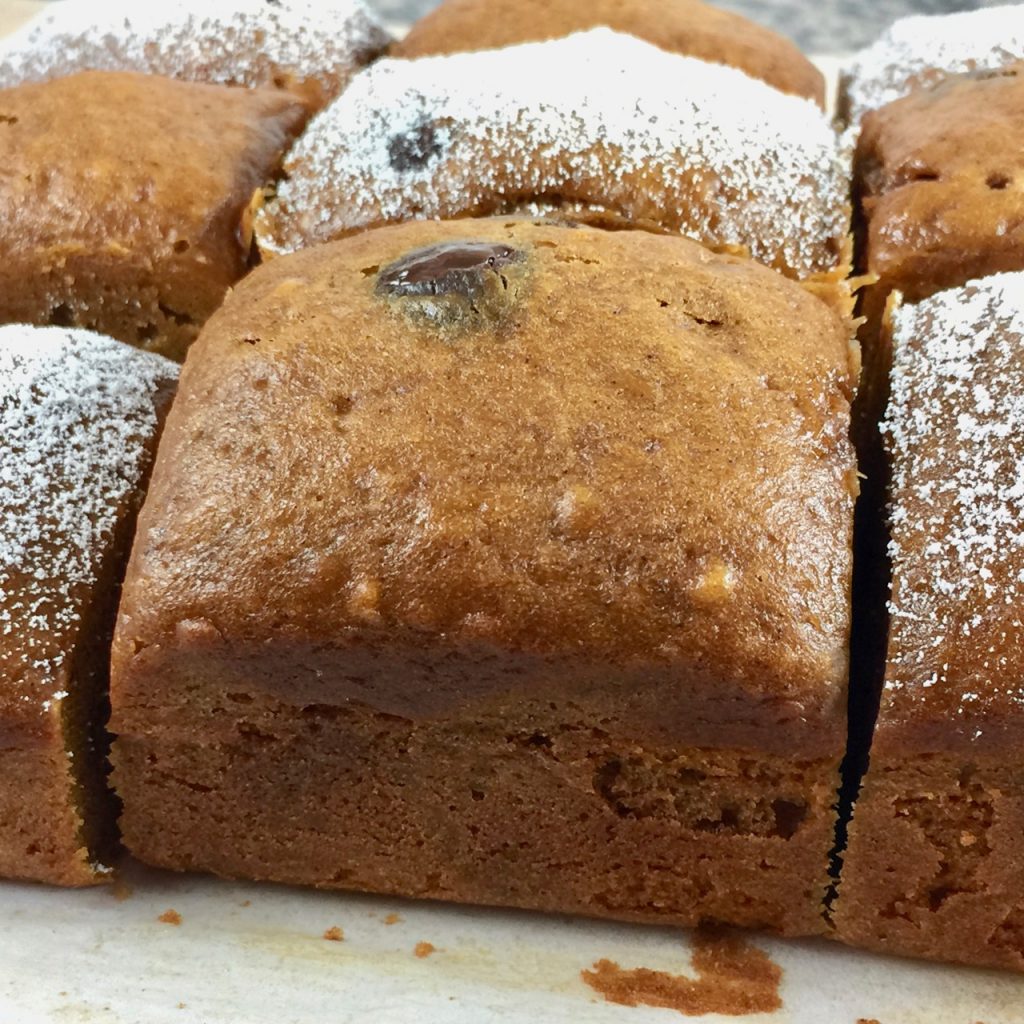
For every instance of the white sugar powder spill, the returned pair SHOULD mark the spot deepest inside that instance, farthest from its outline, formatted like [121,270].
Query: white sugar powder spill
[76,412]
[205,40]
[914,47]
[955,431]
[754,167]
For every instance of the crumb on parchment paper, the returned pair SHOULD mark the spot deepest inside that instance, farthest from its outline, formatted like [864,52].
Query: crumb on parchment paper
[733,978]
[334,934]
[170,916]
[424,949]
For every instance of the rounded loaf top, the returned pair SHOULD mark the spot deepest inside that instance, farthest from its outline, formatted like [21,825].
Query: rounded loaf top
[681,26]
[611,447]
[922,49]
[595,125]
[311,45]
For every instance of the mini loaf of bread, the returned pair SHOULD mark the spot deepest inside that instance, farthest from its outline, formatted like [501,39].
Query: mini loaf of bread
[920,51]
[598,126]
[503,563]
[940,187]
[124,199]
[935,863]
[689,27]
[313,46]
[79,415]
[939,196]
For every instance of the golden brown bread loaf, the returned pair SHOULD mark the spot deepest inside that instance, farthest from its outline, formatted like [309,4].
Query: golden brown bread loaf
[479,565]
[123,198]
[682,26]
[78,416]
[596,126]
[934,865]
[938,202]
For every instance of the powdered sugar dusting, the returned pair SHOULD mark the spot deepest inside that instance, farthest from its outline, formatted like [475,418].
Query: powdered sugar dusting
[955,431]
[597,117]
[76,411]
[917,50]
[245,42]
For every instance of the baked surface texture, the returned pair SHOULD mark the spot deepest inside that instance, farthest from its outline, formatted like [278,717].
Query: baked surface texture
[939,185]
[934,865]
[78,416]
[597,125]
[939,201]
[490,573]
[680,26]
[139,229]
[312,46]
[921,50]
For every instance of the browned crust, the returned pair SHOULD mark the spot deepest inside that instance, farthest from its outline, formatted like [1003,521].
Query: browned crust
[935,183]
[138,236]
[718,671]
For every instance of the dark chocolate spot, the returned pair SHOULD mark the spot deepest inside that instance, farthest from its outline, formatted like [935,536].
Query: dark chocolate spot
[998,181]
[415,149]
[449,268]
[62,316]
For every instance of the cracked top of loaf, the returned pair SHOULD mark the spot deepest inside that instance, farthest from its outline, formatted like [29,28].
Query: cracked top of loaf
[442,462]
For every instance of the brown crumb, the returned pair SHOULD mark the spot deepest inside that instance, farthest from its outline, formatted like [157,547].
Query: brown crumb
[868,1020]
[170,917]
[392,919]
[424,949]
[181,1006]
[334,934]
[245,903]
[733,978]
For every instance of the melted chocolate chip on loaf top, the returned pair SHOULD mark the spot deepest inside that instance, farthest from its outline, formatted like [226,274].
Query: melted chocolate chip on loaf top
[447,267]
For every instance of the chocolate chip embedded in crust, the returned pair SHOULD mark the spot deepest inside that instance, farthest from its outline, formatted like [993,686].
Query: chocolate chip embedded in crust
[415,149]
[449,268]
